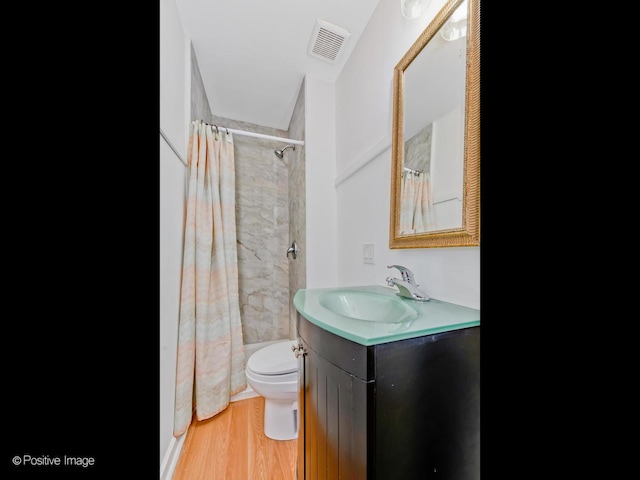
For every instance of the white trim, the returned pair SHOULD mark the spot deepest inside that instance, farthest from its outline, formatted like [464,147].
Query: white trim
[243,395]
[166,139]
[445,197]
[171,456]
[365,158]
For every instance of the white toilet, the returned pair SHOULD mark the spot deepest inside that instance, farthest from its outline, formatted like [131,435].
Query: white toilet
[272,372]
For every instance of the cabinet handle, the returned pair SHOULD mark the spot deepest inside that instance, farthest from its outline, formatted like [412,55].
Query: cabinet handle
[298,350]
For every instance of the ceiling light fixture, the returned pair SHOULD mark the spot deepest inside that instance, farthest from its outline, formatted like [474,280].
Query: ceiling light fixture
[456,26]
[413,8]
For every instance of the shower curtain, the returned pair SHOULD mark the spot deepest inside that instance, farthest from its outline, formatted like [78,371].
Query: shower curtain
[210,365]
[416,214]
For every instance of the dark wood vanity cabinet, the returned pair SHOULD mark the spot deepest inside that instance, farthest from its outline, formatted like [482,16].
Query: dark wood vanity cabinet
[408,409]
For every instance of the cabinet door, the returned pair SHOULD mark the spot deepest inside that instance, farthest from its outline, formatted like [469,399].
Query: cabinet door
[428,407]
[333,429]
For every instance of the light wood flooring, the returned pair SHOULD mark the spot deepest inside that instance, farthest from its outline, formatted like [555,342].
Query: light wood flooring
[232,446]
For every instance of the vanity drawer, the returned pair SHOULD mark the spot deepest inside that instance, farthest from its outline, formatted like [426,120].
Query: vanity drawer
[347,355]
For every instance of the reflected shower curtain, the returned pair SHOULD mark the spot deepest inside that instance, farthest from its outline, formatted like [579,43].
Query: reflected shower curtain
[416,214]
[210,365]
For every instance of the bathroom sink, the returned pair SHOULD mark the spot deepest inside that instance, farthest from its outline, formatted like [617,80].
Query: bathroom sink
[367,306]
[374,314]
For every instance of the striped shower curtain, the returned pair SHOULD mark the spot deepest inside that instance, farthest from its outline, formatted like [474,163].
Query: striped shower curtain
[210,365]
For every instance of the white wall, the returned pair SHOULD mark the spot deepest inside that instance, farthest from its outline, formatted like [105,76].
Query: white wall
[364,110]
[172,214]
[174,75]
[174,96]
[320,152]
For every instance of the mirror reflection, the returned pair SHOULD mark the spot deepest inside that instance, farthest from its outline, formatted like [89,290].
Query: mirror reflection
[431,202]
[433,154]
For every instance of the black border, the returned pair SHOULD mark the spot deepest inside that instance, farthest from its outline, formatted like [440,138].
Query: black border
[81,243]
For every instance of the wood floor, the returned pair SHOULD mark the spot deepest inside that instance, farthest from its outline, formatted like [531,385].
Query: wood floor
[232,446]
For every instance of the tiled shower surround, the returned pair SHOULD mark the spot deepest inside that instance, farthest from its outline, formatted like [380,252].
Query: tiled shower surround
[262,231]
[270,214]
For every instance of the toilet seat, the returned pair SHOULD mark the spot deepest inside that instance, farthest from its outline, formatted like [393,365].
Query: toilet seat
[273,360]
[282,379]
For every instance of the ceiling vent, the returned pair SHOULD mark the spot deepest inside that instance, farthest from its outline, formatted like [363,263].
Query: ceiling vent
[327,41]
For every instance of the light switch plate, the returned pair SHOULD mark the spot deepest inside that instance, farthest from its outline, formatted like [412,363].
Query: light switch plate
[367,253]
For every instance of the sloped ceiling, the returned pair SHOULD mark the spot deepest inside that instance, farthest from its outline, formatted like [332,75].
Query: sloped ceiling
[253,55]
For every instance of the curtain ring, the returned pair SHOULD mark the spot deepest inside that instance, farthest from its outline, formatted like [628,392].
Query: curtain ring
[217,131]
[227,129]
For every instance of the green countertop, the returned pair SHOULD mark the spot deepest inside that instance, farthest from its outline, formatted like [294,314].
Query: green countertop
[434,316]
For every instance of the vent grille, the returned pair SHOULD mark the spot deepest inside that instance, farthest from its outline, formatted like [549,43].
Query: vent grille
[327,41]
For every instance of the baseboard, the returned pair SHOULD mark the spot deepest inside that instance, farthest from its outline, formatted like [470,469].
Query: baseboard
[171,456]
[246,393]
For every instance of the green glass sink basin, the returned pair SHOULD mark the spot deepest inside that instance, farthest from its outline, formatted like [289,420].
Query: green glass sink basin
[374,314]
[368,306]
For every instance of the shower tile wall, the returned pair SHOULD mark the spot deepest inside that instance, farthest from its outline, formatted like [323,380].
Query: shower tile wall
[200,109]
[270,214]
[417,150]
[262,231]
[297,207]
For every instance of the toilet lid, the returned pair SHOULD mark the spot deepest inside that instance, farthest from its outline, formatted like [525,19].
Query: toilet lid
[274,359]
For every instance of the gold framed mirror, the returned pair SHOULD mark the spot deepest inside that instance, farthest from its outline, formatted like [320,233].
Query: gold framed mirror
[435,167]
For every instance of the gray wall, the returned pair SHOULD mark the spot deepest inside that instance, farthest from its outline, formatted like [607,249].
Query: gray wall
[200,109]
[417,150]
[262,231]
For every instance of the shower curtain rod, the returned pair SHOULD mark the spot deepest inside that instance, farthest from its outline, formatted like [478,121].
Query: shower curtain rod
[231,130]
[257,135]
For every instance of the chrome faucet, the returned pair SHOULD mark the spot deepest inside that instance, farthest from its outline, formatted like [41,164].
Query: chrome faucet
[407,287]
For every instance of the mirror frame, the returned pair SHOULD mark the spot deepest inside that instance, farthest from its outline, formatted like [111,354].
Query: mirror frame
[469,233]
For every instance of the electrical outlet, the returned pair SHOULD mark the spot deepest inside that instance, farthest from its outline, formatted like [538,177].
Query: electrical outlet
[367,253]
